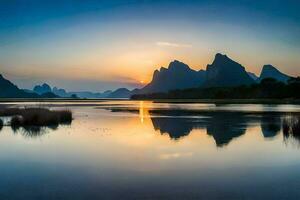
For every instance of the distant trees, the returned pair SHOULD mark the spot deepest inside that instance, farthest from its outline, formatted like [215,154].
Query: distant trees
[268,88]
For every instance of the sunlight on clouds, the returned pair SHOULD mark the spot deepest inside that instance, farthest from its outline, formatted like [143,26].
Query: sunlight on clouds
[169,44]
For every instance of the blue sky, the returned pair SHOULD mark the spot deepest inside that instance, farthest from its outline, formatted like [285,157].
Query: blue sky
[99,45]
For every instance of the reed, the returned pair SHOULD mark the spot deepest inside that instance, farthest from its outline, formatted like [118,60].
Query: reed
[37,116]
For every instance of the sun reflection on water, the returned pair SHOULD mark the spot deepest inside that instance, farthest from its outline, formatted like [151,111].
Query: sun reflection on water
[144,111]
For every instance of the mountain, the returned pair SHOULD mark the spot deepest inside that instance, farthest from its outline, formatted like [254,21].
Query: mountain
[9,90]
[253,76]
[120,93]
[177,76]
[269,71]
[84,94]
[45,88]
[41,89]
[225,72]
[60,92]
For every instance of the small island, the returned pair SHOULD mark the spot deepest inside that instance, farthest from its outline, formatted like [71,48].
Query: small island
[38,117]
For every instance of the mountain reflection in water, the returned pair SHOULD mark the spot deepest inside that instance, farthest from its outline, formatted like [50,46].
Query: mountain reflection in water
[224,127]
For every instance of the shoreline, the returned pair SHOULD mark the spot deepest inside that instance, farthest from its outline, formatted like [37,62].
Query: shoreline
[230,101]
[214,101]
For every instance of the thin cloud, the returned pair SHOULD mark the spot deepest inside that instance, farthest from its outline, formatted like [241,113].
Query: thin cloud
[170,44]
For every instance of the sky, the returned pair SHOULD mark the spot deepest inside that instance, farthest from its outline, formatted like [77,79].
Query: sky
[106,44]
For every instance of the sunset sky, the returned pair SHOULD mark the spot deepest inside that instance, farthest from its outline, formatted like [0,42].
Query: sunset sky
[99,45]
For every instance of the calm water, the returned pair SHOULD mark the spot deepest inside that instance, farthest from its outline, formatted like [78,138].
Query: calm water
[144,150]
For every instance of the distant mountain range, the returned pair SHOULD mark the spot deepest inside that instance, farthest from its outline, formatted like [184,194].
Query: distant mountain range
[223,72]
[9,90]
[44,88]
[118,93]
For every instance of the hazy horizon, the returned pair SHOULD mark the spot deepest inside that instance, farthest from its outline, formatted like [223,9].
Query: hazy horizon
[100,45]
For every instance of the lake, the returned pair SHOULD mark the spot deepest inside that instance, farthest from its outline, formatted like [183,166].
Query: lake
[146,150]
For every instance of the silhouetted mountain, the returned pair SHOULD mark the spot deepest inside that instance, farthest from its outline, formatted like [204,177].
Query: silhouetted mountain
[60,92]
[45,88]
[41,89]
[177,76]
[106,93]
[9,90]
[226,72]
[82,94]
[253,76]
[120,93]
[268,71]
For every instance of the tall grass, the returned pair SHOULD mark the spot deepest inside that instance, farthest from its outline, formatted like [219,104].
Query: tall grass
[291,128]
[37,117]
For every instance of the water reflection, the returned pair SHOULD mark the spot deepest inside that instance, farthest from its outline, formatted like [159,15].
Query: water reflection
[176,128]
[224,127]
[33,131]
[270,125]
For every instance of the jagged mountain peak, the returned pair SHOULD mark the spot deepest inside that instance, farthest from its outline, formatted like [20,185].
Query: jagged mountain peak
[268,67]
[226,72]
[45,85]
[269,71]
[41,89]
[178,75]
[220,56]
[177,65]
[162,69]
[223,61]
